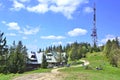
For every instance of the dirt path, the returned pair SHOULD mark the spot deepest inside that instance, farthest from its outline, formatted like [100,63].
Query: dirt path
[39,76]
[53,75]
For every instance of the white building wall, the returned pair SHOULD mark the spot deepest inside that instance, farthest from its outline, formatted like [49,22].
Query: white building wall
[38,58]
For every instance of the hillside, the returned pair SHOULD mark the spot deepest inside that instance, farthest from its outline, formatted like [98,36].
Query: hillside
[77,73]
[90,72]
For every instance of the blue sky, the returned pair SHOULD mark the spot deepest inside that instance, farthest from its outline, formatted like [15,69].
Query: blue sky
[42,23]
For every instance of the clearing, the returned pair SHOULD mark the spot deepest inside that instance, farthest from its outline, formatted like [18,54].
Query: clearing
[53,75]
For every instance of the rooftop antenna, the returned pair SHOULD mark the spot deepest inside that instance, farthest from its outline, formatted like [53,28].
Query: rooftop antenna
[94,30]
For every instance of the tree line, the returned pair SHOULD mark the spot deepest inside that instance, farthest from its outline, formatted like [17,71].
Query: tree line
[12,59]
[75,51]
[112,52]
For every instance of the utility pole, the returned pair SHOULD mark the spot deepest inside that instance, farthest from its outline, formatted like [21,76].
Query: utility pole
[94,30]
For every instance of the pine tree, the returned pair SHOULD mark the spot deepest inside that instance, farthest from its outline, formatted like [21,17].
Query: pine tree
[59,49]
[73,54]
[39,51]
[112,51]
[117,42]
[3,53]
[107,48]
[2,44]
[115,57]
[17,58]
[44,62]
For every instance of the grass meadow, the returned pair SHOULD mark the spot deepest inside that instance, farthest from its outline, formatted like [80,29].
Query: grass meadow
[82,73]
[11,76]
[90,73]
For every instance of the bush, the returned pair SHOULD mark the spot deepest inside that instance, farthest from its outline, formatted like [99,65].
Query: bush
[115,58]
[4,69]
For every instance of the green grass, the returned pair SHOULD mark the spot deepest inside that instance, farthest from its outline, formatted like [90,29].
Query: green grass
[38,71]
[77,62]
[96,60]
[80,73]
[11,76]
[7,77]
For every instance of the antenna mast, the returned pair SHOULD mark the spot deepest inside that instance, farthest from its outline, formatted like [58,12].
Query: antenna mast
[94,30]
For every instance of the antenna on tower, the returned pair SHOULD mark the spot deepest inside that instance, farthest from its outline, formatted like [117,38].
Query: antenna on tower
[94,30]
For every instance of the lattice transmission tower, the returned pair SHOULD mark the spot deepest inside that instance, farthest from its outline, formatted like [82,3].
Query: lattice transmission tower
[94,30]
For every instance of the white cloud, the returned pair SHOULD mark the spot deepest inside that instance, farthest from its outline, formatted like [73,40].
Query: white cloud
[52,37]
[40,8]
[66,7]
[77,32]
[108,37]
[11,34]
[27,30]
[17,5]
[30,31]
[66,11]
[12,25]
[88,9]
